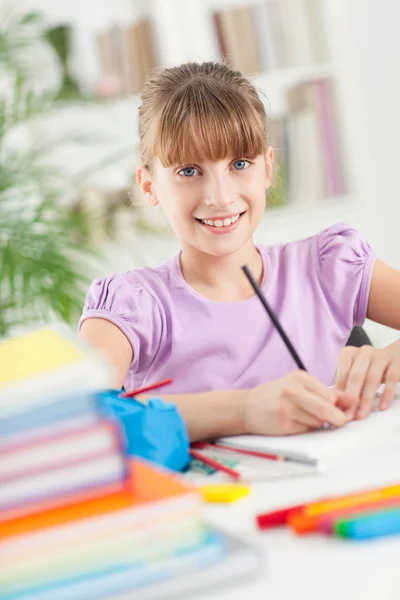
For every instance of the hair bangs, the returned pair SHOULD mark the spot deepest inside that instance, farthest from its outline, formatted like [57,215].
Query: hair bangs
[208,122]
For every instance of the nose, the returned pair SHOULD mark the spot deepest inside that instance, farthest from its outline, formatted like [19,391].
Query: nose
[219,193]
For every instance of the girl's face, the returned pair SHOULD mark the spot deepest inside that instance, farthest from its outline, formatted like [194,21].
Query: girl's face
[211,206]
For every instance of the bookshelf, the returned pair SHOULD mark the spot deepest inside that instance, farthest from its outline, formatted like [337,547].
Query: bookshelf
[184,30]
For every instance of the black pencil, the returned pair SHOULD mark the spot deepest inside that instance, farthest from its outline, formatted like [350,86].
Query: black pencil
[273,318]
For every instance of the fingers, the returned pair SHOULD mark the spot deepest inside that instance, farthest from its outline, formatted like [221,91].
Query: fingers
[322,410]
[296,427]
[356,377]
[373,379]
[347,403]
[345,363]
[313,385]
[305,418]
[343,400]
[390,379]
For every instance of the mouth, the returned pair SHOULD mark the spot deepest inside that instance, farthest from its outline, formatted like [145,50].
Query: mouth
[222,224]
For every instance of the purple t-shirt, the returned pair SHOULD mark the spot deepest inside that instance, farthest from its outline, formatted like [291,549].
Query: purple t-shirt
[318,288]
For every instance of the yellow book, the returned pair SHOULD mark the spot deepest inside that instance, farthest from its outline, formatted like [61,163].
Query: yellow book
[49,359]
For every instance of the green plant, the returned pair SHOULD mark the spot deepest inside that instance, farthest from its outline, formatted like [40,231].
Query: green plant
[43,240]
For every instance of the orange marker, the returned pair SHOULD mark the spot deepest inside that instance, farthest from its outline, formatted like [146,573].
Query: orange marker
[302,524]
[351,500]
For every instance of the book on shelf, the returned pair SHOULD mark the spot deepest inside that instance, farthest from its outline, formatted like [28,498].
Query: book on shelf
[315,165]
[271,35]
[126,52]
[277,137]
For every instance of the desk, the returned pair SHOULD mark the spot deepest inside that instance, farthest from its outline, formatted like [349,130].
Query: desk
[315,567]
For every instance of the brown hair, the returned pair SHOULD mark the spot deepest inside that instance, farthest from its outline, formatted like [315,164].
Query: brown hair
[198,112]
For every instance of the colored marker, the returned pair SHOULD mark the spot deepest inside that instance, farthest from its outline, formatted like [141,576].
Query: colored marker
[303,524]
[351,500]
[276,517]
[224,493]
[370,526]
[328,505]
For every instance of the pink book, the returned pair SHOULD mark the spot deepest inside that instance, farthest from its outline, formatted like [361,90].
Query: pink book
[329,138]
[56,451]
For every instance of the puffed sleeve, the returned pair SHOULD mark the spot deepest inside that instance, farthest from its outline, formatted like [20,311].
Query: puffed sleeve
[121,299]
[346,262]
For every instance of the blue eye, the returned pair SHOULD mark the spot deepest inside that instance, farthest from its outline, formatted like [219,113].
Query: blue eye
[240,165]
[188,172]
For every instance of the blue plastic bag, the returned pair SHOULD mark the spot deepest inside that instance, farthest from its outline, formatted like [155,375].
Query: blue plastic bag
[154,431]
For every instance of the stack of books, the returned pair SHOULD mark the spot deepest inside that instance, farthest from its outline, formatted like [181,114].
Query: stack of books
[78,518]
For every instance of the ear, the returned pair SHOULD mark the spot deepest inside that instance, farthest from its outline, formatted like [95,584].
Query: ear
[269,166]
[146,184]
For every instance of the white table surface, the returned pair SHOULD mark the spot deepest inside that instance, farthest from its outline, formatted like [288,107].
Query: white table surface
[314,566]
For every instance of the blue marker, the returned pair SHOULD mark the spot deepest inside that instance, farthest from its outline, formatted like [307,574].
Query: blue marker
[369,526]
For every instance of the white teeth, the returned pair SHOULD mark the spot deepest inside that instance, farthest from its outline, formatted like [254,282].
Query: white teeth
[219,223]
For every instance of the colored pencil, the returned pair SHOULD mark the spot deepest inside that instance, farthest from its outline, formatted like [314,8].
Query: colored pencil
[289,455]
[147,388]
[256,454]
[214,463]
[273,318]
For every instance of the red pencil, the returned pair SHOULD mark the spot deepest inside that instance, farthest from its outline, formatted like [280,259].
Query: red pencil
[214,463]
[147,388]
[255,453]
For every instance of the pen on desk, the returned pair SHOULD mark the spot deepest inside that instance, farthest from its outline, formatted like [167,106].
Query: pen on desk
[211,462]
[147,388]
[216,446]
[273,318]
[262,452]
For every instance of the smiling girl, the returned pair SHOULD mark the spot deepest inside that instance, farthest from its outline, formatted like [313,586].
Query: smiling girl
[206,160]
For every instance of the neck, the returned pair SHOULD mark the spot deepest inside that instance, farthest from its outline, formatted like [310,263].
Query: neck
[221,277]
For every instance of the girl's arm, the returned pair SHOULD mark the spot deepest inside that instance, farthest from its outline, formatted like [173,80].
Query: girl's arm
[362,370]
[292,404]
[108,338]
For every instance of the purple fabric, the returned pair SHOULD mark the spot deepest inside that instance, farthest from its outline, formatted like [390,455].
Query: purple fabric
[318,288]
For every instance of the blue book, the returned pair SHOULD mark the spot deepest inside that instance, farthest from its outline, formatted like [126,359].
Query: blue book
[220,560]
[64,408]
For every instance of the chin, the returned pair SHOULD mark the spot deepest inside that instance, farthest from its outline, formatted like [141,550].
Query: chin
[222,248]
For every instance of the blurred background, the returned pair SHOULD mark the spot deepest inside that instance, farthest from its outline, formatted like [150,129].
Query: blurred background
[71,73]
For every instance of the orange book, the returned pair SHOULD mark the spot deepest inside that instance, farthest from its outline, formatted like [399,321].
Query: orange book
[145,485]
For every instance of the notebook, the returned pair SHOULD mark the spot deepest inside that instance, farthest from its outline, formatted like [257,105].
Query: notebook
[328,446]
[48,360]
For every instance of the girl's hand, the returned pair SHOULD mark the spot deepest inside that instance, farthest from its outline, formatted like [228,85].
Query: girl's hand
[361,371]
[295,404]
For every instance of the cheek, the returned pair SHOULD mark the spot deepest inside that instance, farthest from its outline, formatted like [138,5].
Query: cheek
[177,205]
